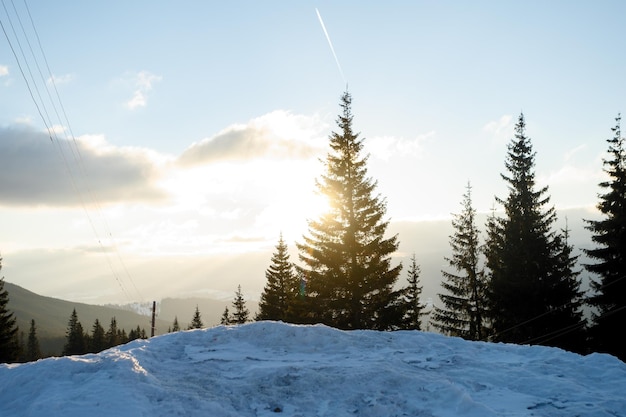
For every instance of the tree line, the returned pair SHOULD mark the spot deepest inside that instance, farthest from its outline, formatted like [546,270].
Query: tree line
[519,283]
[78,341]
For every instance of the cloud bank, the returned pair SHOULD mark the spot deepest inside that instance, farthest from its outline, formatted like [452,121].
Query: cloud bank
[39,171]
[276,135]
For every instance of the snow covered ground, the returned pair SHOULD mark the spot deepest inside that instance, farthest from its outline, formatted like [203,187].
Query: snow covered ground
[273,369]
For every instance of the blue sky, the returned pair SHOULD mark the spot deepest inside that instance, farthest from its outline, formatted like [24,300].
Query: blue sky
[196,129]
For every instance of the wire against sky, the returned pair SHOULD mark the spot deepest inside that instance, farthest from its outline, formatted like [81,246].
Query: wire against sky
[319,16]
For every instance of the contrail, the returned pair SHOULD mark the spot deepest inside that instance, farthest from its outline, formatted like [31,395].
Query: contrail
[330,44]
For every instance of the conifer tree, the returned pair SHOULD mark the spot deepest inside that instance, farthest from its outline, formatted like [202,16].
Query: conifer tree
[196,321]
[9,348]
[463,313]
[113,336]
[33,350]
[241,313]
[175,325]
[76,342]
[609,254]
[531,296]
[347,259]
[122,337]
[411,298]
[98,340]
[281,288]
[226,318]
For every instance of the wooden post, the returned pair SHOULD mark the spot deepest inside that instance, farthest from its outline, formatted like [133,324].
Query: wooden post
[153,316]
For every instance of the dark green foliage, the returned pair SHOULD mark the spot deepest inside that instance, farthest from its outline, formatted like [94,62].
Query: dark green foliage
[196,321]
[76,340]
[464,310]
[410,300]
[98,340]
[609,235]
[347,260]
[533,296]
[175,325]
[241,313]
[9,346]
[225,320]
[113,336]
[33,350]
[282,286]
[137,333]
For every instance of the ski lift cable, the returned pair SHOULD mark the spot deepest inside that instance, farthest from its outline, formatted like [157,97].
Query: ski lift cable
[78,156]
[42,109]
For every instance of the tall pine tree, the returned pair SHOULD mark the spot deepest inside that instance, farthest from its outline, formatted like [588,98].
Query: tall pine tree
[281,288]
[464,307]
[532,297]
[609,235]
[9,347]
[346,257]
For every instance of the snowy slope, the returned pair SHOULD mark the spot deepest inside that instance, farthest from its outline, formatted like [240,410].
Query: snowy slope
[271,369]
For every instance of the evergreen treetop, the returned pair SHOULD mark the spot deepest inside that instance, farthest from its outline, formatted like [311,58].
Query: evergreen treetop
[76,342]
[609,254]
[528,283]
[347,259]
[241,313]
[281,288]
[33,350]
[196,321]
[464,305]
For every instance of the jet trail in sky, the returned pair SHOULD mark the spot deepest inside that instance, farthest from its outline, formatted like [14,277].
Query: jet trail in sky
[330,44]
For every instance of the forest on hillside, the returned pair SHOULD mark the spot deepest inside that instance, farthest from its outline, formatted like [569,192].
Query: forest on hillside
[518,282]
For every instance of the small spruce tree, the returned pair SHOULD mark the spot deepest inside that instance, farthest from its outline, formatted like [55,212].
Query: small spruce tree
[464,310]
[98,340]
[175,325]
[241,313]
[196,321]
[226,318]
[412,307]
[113,336]
[76,342]
[281,288]
[33,350]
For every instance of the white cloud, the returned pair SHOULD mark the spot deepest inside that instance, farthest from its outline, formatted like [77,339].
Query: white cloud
[143,83]
[384,147]
[37,174]
[501,129]
[279,135]
[4,70]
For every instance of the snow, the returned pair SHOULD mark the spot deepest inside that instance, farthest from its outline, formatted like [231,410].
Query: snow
[272,369]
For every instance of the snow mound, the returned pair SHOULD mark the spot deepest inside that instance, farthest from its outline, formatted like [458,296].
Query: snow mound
[271,369]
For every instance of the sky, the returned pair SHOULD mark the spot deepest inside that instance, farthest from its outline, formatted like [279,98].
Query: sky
[155,149]
[268,369]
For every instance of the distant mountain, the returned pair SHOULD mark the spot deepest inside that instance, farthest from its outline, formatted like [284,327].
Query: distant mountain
[52,315]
